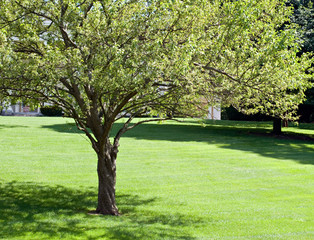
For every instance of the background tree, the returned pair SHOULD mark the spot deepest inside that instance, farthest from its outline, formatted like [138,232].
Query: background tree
[104,61]
[250,54]
[303,15]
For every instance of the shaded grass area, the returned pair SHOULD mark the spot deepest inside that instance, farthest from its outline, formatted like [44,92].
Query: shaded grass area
[175,181]
[243,136]
[47,211]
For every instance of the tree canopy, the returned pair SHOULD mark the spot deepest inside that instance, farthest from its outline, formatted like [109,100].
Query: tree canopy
[103,60]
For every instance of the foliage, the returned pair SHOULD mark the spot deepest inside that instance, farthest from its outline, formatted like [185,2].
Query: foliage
[303,15]
[51,111]
[139,56]
[306,112]
[230,113]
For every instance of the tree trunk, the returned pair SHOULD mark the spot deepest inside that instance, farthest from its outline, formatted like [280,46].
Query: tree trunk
[277,126]
[285,123]
[106,182]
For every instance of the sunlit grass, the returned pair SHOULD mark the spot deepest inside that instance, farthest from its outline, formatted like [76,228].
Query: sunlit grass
[175,181]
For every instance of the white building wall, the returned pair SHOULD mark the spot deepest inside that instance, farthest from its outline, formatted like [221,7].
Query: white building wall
[214,113]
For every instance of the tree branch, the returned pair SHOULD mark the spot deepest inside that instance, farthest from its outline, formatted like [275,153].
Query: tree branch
[216,70]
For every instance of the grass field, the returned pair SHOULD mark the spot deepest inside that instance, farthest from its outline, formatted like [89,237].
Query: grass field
[174,181]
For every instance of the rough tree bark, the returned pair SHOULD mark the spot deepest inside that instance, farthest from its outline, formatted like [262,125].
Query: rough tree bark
[106,170]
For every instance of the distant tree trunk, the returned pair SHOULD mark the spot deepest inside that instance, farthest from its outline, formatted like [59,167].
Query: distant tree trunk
[107,181]
[1,108]
[277,126]
[285,123]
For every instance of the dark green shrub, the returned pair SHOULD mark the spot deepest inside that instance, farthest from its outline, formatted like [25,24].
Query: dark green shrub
[306,113]
[230,113]
[51,111]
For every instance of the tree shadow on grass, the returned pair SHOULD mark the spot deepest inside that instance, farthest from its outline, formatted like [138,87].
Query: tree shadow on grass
[253,140]
[247,139]
[57,212]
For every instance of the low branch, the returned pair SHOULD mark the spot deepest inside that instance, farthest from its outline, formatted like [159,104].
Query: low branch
[217,70]
[126,128]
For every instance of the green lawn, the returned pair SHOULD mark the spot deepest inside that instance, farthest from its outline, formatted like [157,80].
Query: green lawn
[174,181]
